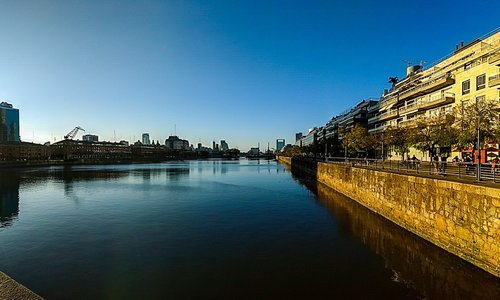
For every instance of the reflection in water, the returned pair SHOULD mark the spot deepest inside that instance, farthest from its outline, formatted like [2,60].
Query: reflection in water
[9,198]
[413,261]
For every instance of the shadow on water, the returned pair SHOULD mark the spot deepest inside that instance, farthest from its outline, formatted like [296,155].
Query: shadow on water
[9,198]
[414,262]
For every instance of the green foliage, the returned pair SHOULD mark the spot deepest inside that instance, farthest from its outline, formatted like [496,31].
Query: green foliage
[483,114]
[399,138]
[358,139]
[294,151]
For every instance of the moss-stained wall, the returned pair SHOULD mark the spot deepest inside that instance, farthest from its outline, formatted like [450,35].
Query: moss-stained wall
[461,218]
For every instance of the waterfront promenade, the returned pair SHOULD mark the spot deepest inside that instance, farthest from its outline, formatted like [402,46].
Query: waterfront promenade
[459,171]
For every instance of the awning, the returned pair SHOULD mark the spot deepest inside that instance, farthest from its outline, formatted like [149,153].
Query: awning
[491,149]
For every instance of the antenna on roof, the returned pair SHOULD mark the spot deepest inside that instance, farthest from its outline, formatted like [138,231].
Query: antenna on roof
[408,63]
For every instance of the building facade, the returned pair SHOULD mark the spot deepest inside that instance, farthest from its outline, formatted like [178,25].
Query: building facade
[470,74]
[224,146]
[175,143]
[280,143]
[9,123]
[145,139]
[90,138]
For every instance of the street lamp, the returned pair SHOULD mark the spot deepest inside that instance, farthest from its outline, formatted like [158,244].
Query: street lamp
[478,154]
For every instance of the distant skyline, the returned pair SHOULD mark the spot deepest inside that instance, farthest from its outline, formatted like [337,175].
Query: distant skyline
[241,71]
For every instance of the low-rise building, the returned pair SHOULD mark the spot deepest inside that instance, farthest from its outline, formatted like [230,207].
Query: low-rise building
[173,142]
[90,138]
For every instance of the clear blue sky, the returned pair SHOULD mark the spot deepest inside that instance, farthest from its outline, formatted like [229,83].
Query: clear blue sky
[243,71]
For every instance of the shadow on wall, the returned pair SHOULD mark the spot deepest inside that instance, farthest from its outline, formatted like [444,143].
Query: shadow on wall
[414,261]
[304,167]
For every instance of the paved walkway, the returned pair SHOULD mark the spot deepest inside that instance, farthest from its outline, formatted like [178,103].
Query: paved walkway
[11,290]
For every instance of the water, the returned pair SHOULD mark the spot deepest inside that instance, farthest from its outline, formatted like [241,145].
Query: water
[212,230]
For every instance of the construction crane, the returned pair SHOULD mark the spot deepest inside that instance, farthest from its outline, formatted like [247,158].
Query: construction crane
[71,135]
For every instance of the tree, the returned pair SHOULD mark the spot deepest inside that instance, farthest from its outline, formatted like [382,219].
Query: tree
[358,139]
[482,115]
[294,151]
[444,134]
[399,139]
[422,135]
[393,80]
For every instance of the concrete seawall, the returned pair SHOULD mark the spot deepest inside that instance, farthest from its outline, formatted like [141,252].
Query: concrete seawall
[10,289]
[458,217]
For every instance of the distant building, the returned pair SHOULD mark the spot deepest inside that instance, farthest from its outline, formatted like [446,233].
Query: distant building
[224,146]
[280,143]
[145,139]
[298,136]
[254,151]
[175,143]
[125,143]
[90,138]
[9,123]
[310,138]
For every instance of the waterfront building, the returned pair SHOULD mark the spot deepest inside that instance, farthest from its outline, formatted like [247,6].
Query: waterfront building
[22,151]
[173,142]
[9,123]
[90,138]
[81,150]
[280,143]
[358,115]
[224,146]
[145,139]
[470,74]
[311,137]
[254,151]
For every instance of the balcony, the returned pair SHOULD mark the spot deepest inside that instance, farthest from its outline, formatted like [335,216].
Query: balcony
[390,100]
[388,115]
[428,86]
[373,119]
[376,129]
[408,108]
[435,101]
[494,58]
[494,80]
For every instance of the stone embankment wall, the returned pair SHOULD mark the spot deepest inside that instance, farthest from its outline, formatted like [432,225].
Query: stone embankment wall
[11,290]
[459,217]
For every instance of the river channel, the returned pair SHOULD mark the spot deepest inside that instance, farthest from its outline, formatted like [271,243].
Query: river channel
[240,229]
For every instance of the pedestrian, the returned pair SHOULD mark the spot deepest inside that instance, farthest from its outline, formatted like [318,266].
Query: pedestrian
[435,160]
[415,161]
[494,163]
[444,157]
[468,163]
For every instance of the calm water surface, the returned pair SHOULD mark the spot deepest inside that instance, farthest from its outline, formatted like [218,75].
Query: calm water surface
[212,230]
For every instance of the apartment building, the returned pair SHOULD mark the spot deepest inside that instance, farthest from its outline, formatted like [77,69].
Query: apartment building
[471,73]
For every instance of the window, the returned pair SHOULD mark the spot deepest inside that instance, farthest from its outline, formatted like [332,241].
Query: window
[465,87]
[467,66]
[481,82]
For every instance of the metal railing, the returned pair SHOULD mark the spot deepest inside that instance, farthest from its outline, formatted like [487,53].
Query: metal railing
[460,170]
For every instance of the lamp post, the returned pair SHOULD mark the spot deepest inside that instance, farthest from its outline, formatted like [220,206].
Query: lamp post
[382,146]
[478,154]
